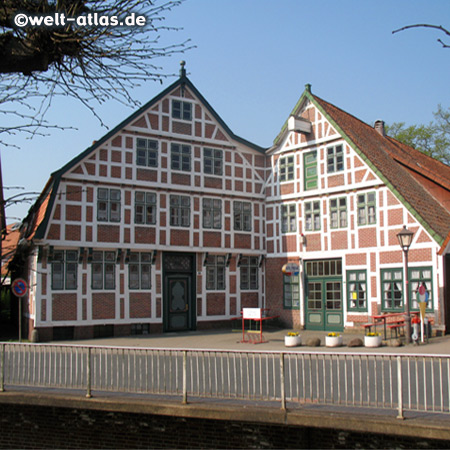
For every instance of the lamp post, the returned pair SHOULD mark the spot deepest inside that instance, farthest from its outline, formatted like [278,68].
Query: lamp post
[405,238]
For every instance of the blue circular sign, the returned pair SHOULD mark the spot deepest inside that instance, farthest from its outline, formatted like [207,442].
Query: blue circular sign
[19,287]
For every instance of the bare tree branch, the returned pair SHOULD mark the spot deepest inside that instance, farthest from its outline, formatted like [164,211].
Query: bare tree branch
[425,25]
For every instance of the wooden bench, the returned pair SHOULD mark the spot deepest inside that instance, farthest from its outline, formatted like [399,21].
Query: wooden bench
[397,327]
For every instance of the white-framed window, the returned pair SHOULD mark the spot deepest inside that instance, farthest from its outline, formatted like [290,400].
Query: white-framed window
[249,266]
[146,152]
[312,215]
[215,273]
[139,271]
[64,269]
[212,161]
[180,157]
[180,210]
[108,205]
[287,168]
[242,213]
[144,208]
[103,268]
[288,218]
[181,110]
[335,159]
[367,208]
[212,213]
[338,212]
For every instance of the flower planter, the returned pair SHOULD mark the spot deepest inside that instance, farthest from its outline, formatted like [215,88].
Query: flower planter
[372,341]
[333,341]
[292,341]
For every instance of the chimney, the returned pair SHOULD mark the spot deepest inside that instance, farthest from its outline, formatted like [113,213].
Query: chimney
[379,126]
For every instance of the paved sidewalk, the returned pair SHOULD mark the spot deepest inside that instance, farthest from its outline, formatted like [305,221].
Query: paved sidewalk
[228,340]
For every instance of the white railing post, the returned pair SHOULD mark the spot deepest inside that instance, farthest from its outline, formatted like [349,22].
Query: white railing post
[184,377]
[88,374]
[400,388]
[283,387]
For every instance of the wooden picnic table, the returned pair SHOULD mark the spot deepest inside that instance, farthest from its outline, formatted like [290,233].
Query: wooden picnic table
[393,321]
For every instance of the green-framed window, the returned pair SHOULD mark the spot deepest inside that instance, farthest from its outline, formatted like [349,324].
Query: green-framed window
[310,170]
[108,205]
[212,161]
[420,287]
[140,270]
[180,157]
[312,216]
[288,218]
[180,210]
[146,152]
[212,213]
[249,266]
[215,273]
[144,208]
[103,270]
[64,269]
[357,290]
[392,289]
[181,110]
[338,212]
[291,292]
[335,159]
[287,168]
[242,214]
[366,208]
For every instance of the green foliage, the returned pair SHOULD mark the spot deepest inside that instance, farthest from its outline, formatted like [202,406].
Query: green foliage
[432,139]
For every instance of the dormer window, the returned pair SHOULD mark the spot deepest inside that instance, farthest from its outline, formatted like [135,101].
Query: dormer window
[181,110]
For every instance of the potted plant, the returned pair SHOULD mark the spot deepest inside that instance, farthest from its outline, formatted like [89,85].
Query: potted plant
[372,340]
[292,339]
[333,340]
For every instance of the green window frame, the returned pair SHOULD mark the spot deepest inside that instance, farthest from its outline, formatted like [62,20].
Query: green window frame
[392,290]
[108,205]
[180,157]
[146,152]
[338,212]
[215,273]
[103,270]
[419,276]
[291,291]
[140,271]
[180,210]
[145,208]
[289,218]
[65,270]
[212,161]
[335,159]
[366,208]
[249,266]
[287,168]
[181,110]
[357,290]
[242,214]
[310,170]
[312,216]
[212,213]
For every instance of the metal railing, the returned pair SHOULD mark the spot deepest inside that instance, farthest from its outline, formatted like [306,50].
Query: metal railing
[406,382]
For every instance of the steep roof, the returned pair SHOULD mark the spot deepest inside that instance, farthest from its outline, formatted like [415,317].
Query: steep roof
[9,245]
[389,159]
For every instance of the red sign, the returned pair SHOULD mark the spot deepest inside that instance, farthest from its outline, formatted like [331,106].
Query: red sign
[19,287]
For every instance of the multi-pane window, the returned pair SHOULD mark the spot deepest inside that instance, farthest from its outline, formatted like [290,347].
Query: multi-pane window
[333,291]
[366,208]
[180,157]
[64,269]
[291,292]
[335,159]
[108,205]
[146,152]
[180,210]
[287,168]
[212,213]
[215,273]
[103,270]
[144,208]
[421,287]
[357,290]
[139,271]
[181,110]
[249,273]
[310,168]
[319,268]
[312,216]
[242,213]
[288,218]
[338,212]
[212,161]
[392,289]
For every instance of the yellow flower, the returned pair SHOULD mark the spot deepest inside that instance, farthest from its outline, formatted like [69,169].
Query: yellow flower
[292,333]
[333,334]
[373,334]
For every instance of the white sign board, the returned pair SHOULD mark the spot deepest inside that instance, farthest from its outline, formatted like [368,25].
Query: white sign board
[251,313]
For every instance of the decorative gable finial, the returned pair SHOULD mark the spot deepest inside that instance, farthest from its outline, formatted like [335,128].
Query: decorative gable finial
[308,87]
[182,69]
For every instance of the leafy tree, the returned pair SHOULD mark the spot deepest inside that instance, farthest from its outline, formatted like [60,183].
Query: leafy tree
[432,139]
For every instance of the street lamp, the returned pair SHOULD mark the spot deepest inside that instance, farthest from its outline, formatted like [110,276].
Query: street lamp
[405,238]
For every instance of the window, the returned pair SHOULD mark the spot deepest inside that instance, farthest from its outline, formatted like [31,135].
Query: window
[366,208]
[312,216]
[212,161]
[421,287]
[212,213]
[181,110]
[310,168]
[288,218]
[392,289]
[103,270]
[338,212]
[180,210]
[139,271]
[320,268]
[64,269]
[249,273]
[180,157]
[215,273]
[291,292]
[144,208]
[146,152]
[108,205]
[242,212]
[335,159]
[357,290]
[287,167]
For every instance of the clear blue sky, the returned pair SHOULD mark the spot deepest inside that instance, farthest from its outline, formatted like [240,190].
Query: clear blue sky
[252,61]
